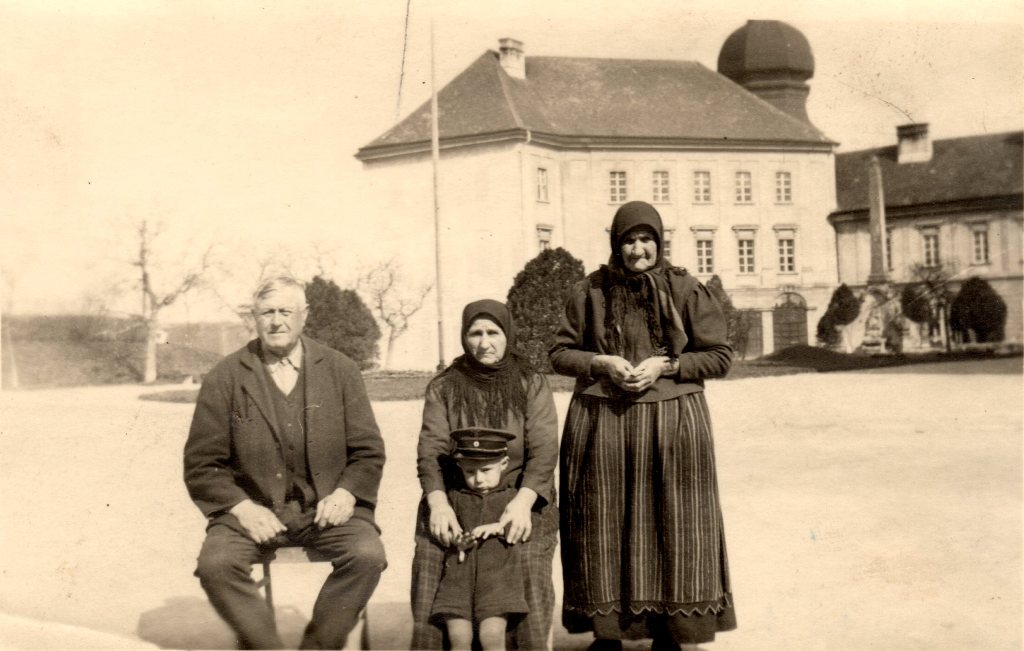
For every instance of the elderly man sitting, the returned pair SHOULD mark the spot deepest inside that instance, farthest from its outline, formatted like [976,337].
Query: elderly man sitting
[284,450]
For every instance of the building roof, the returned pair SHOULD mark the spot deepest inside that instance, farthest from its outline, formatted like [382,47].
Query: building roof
[586,102]
[764,47]
[961,170]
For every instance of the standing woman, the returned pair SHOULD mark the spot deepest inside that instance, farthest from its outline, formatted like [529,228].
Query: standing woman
[643,551]
[491,385]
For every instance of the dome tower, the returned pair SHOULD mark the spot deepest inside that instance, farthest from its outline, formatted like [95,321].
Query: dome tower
[773,60]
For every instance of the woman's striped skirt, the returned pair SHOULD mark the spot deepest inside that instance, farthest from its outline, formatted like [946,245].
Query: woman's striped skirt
[643,550]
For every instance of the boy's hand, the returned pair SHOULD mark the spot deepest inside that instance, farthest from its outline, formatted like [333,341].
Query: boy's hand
[485,531]
[464,541]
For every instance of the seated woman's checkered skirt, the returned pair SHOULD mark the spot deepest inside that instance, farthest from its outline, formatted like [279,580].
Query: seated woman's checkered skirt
[643,550]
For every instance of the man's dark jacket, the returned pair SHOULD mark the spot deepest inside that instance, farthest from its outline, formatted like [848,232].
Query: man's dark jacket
[234,451]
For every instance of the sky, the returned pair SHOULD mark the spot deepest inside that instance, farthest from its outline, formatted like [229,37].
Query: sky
[235,124]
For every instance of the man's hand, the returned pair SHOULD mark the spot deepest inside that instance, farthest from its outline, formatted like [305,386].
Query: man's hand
[335,509]
[444,524]
[258,521]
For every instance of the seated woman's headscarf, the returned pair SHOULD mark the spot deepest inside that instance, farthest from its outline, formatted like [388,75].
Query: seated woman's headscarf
[641,319]
[483,393]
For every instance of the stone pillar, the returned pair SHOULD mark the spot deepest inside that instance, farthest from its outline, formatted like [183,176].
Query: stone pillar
[876,223]
[767,333]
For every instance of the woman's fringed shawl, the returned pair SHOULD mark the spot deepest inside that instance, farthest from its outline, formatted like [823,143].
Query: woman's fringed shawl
[484,394]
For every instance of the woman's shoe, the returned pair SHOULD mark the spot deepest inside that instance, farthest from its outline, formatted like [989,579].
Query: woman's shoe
[664,643]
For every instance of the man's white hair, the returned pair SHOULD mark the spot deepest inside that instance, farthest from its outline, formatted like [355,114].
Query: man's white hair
[276,283]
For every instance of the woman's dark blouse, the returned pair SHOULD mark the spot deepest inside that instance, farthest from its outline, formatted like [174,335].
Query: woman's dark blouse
[582,335]
[533,454]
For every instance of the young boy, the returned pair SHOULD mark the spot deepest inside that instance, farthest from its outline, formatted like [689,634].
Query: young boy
[482,581]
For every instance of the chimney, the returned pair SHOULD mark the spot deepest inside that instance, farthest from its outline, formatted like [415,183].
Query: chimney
[914,145]
[512,58]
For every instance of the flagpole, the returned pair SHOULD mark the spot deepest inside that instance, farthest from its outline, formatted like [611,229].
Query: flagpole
[435,155]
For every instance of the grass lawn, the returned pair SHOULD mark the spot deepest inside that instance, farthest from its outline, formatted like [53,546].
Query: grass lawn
[410,385]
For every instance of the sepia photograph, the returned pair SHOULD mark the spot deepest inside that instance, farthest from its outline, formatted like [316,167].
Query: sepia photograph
[442,324]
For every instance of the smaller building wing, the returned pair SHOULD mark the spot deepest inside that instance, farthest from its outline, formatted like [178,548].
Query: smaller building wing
[960,169]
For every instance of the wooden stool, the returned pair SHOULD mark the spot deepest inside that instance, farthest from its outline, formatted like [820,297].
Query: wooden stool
[359,637]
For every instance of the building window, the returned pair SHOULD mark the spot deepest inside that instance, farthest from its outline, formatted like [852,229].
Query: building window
[702,186]
[783,187]
[787,255]
[617,187]
[744,188]
[542,184]
[705,256]
[888,249]
[666,244]
[544,236]
[660,193]
[979,239]
[746,255]
[930,241]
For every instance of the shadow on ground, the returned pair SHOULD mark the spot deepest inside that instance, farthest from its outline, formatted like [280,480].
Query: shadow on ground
[191,623]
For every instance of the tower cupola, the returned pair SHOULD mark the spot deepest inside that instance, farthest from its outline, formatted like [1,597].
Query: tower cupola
[772,60]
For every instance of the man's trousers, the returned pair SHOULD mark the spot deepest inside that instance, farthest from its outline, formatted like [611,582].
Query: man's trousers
[225,572]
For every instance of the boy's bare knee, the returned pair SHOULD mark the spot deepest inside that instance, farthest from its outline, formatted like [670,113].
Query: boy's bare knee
[460,634]
[492,634]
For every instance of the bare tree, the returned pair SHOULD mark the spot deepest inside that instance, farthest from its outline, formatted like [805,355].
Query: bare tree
[153,299]
[936,290]
[392,304]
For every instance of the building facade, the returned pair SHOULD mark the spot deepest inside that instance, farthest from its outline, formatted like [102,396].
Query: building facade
[953,207]
[539,152]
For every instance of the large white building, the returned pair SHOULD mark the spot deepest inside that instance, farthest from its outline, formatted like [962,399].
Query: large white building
[539,152]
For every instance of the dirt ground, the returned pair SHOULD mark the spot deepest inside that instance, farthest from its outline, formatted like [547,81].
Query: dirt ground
[868,510]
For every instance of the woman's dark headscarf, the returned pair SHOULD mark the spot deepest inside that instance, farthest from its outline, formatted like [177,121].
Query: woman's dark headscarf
[483,393]
[633,293]
[632,215]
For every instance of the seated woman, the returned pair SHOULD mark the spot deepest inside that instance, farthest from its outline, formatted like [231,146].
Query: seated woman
[490,385]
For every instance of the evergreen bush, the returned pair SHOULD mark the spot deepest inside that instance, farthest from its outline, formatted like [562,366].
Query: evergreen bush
[842,310]
[844,305]
[915,304]
[737,325]
[979,309]
[828,330]
[537,302]
[338,318]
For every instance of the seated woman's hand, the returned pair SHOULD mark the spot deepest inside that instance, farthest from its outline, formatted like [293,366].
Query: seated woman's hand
[518,515]
[618,369]
[444,525]
[646,373]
